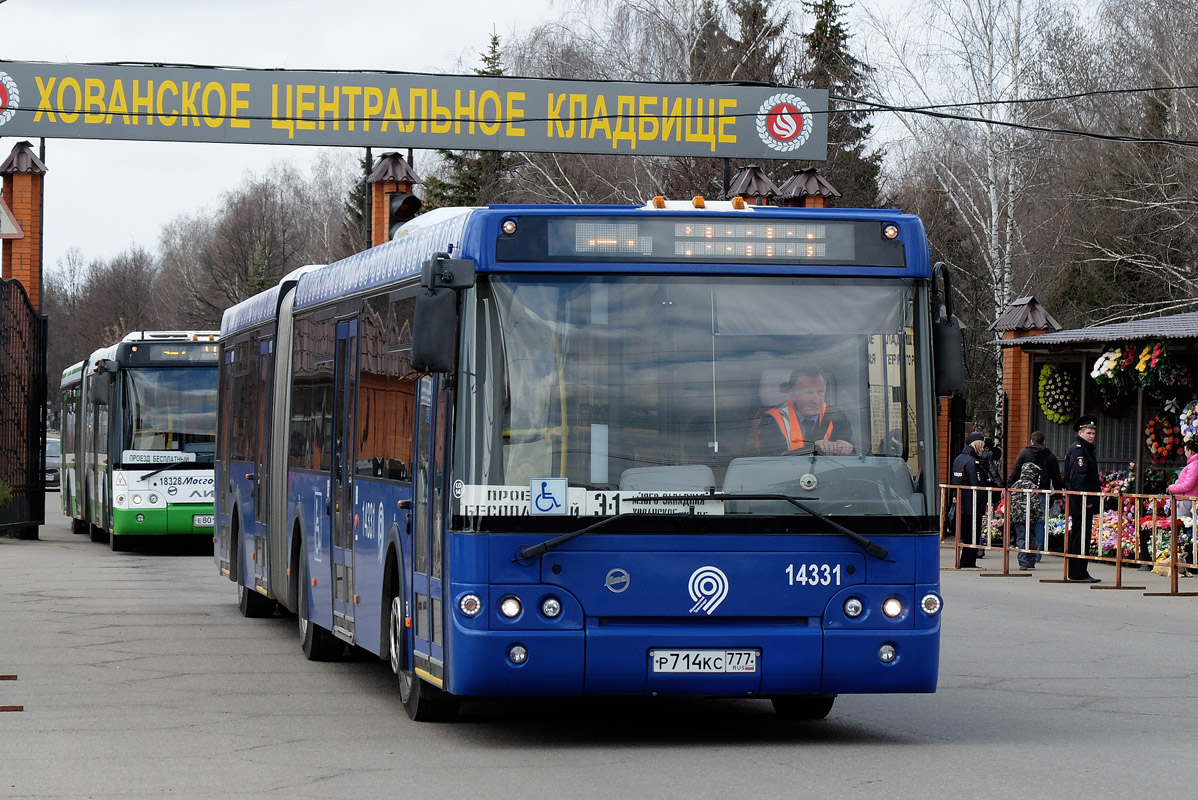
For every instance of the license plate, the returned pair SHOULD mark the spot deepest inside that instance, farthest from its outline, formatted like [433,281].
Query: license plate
[202,520]
[704,661]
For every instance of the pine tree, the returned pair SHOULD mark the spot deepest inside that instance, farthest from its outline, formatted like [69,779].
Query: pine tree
[850,168]
[355,235]
[760,46]
[472,177]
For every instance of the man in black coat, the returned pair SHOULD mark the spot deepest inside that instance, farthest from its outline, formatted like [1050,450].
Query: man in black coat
[969,470]
[1081,475]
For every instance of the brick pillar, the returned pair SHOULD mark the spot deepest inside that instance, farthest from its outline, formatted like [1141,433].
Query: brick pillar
[1020,385]
[23,174]
[390,175]
[380,206]
[945,455]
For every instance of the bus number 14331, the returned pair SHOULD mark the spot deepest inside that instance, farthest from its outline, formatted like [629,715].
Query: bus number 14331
[813,575]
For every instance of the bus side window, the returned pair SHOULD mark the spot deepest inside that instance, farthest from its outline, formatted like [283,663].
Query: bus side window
[387,395]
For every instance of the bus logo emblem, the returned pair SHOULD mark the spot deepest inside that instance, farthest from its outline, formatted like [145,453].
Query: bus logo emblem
[708,587]
[784,122]
[617,580]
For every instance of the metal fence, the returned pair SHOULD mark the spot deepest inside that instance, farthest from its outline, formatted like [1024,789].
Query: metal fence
[22,412]
[1150,532]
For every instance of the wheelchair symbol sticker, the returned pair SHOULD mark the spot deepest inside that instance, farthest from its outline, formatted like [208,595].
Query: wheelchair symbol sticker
[547,497]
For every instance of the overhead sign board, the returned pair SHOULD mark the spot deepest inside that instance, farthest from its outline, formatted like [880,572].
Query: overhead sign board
[354,109]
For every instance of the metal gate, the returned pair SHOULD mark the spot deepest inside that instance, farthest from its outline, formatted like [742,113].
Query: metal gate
[22,413]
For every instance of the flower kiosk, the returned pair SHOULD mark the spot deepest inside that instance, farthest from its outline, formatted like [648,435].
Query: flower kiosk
[1138,379]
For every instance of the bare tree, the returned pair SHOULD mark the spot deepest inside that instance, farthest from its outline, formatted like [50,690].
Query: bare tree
[971,54]
[651,40]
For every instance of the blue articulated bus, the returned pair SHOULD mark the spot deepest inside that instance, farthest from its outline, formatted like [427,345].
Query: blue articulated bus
[543,450]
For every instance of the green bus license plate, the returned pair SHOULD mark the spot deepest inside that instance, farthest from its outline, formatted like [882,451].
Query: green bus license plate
[202,520]
[704,661]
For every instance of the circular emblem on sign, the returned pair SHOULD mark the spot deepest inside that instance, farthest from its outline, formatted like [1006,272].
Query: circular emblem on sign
[784,122]
[10,97]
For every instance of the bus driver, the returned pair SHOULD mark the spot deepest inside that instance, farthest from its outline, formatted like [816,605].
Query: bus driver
[806,420]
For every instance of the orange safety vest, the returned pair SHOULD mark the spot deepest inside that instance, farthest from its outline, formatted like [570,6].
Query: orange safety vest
[792,429]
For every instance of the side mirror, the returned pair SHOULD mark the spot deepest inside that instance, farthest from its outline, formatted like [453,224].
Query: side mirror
[435,322]
[98,393]
[948,346]
[949,352]
[443,272]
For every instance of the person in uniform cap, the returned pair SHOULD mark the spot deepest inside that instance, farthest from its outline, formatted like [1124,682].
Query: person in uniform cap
[1081,475]
[969,470]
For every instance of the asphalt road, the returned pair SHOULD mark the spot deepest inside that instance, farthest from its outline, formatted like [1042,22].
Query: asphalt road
[139,678]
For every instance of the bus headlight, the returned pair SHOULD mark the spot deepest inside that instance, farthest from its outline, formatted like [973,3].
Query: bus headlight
[853,607]
[470,605]
[137,499]
[892,607]
[887,653]
[510,606]
[931,604]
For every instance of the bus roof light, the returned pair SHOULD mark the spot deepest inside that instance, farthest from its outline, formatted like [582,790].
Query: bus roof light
[699,202]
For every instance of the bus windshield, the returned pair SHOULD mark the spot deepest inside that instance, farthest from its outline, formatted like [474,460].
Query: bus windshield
[168,414]
[626,387]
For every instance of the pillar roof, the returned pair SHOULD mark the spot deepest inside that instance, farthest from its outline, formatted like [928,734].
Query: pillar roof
[22,159]
[392,167]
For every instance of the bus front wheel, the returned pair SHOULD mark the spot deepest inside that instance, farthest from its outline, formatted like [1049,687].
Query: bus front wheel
[804,706]
[423,701]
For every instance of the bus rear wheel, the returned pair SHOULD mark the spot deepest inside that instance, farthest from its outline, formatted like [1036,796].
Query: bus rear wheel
[249,602]
[804,706]
[252,604]
[317,643]
[423,701]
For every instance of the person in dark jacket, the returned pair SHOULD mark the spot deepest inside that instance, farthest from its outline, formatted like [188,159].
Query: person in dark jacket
[992,457]
[1081,475]
[969,470]
[1050,474]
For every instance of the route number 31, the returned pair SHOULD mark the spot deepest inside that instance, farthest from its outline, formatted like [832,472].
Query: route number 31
[813,575]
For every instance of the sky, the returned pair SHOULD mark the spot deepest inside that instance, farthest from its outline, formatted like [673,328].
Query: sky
[103,197]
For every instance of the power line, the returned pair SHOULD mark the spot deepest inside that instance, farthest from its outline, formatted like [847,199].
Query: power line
[931,112]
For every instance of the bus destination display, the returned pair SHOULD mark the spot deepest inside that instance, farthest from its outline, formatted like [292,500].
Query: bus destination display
[690,239]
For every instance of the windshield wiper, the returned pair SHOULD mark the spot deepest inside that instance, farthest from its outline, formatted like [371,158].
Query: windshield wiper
[532,551]
[171,465]
[873,548]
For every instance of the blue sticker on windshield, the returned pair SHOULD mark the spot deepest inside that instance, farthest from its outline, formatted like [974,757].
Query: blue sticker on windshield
[547,496]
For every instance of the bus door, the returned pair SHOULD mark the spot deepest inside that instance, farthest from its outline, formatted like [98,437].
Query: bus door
[345,382]
[261,486]
[428,630]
